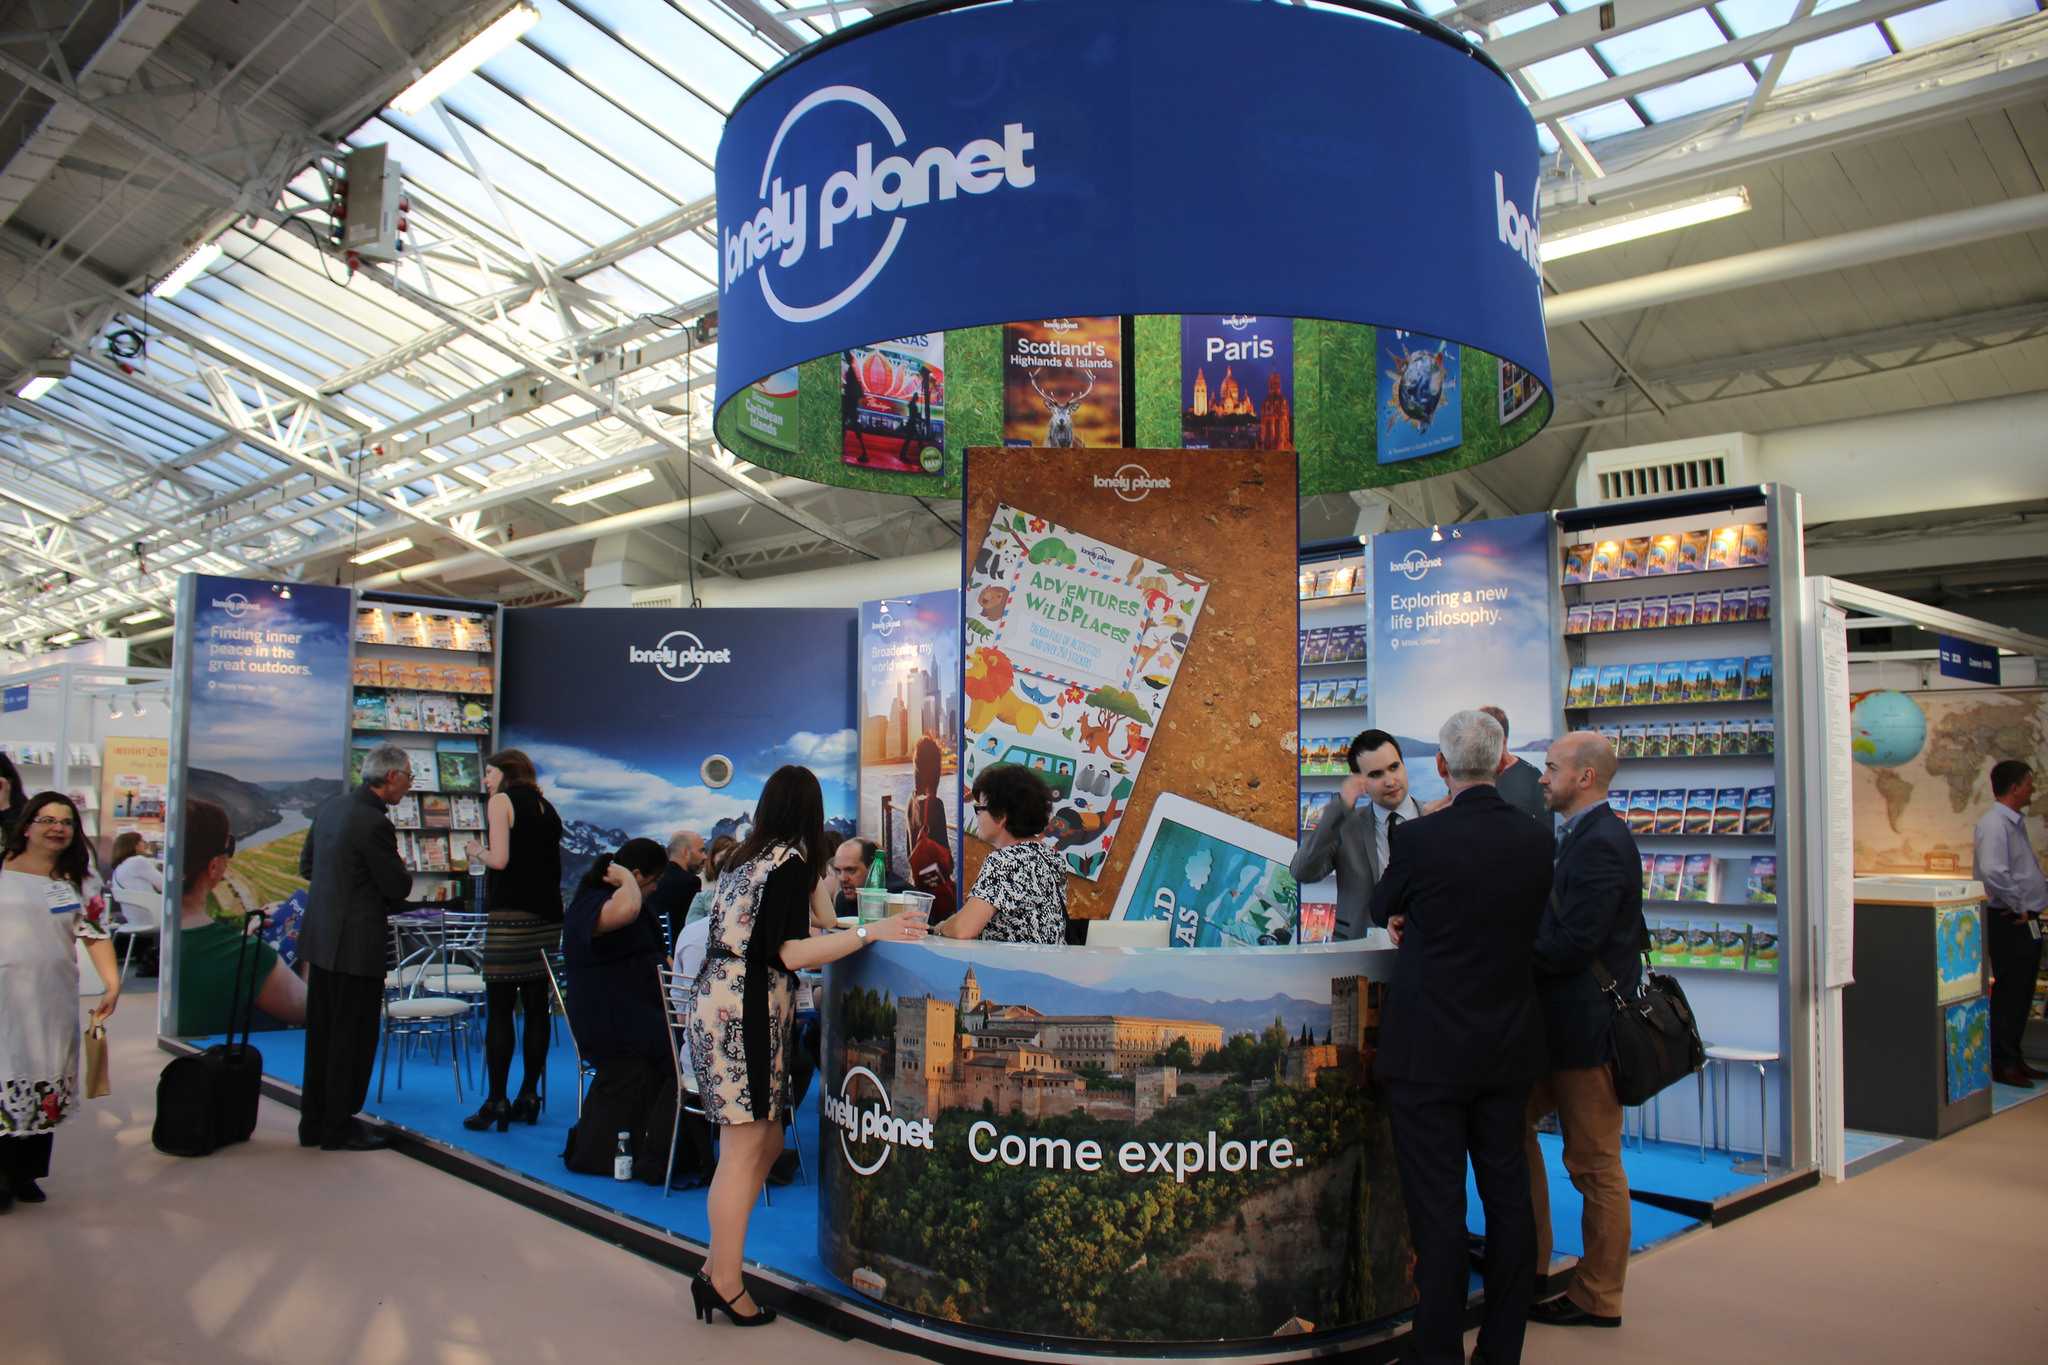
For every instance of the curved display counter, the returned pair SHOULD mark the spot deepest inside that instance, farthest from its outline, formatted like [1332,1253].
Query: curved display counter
[1118,1148]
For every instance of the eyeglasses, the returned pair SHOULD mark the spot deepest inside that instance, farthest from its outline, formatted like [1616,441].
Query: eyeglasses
[978,807]
[54,822]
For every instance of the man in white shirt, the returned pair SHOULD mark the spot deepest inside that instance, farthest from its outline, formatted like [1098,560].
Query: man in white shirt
[1351,837]
[2016,896]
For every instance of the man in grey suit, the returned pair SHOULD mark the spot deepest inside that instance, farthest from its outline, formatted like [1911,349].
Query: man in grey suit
[1351,836]
[357,882]
[1521,785]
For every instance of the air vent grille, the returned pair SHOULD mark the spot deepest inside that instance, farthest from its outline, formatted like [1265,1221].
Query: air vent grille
[1652,480]
[669,596]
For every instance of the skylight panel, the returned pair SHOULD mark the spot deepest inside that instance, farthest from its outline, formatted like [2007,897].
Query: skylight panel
[1679,36]
[1952,18]
[1564,73]
[1604,121]
[723,26]
[1524,20]
[1729,85]
[684,116]
[1839,52]
[1747,17]
[575,159]
[682,49]
[679,144]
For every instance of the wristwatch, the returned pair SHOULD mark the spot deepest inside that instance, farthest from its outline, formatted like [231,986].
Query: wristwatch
[860,931]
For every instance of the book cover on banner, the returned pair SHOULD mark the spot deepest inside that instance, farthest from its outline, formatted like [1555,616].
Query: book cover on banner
[767,409]
[1063,383]
[1519,391]
[909,651]
[1074,647]
[1419,402]
[892,405]
[1216,880]
[1237,383]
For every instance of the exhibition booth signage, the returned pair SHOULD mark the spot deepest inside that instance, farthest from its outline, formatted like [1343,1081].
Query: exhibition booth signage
[1025,224]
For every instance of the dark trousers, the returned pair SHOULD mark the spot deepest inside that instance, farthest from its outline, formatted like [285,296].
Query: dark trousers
[342,1014]
[25,1158]
[1436,1126]
[2015,959]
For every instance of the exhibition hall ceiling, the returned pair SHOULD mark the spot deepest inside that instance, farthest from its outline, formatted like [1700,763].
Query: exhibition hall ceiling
[284,415]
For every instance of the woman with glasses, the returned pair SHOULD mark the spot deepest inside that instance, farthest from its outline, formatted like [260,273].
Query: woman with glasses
[1020,894]
[49,900]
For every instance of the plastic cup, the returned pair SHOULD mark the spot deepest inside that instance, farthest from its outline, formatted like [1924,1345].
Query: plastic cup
[873,903]
[914,902]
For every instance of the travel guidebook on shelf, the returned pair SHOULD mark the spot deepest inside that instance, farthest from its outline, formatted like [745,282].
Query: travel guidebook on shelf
[1063,384]
[1072,647]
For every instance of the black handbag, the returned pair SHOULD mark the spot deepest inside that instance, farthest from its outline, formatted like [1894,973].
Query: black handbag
[1656,1038]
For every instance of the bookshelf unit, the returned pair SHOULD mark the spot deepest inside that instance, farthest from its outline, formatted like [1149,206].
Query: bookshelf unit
[1333,589]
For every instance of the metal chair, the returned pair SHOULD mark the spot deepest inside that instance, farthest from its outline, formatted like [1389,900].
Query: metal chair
[411,1016]
[676,991]
[141,902]
[1724,1057]
[584,1070]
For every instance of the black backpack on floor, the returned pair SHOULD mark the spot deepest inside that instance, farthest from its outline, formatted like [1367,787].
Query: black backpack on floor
[209,1100]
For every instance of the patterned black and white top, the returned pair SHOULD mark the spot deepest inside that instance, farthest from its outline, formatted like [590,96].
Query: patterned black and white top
[1027,884]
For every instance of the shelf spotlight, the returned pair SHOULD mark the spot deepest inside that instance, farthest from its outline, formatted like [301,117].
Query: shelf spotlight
[634,478]
[384,551]
[184,272]
[500,34]
[1436,533]
[1629,227]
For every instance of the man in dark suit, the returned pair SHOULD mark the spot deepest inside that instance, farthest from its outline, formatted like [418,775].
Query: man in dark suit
[1462,1039]
[1520,785]
[670,899]
[358,882]
[1351,836]
[1595,915]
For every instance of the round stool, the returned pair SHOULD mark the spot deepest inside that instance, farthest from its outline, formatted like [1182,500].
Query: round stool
[1741,1056]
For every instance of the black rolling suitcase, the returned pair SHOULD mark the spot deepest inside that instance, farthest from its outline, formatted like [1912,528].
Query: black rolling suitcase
[209,1101]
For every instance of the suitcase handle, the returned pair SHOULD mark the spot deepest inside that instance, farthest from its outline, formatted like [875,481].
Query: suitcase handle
[246,952]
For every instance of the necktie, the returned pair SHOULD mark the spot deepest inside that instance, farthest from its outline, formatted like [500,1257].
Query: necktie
[1393,819]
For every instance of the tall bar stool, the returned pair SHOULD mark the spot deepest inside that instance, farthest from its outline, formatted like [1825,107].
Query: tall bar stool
[1725,1057]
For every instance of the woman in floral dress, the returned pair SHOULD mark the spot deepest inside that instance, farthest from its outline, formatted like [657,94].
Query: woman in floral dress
[742,1014]
[48,899]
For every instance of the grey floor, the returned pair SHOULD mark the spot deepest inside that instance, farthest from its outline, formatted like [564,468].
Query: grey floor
[268,1253]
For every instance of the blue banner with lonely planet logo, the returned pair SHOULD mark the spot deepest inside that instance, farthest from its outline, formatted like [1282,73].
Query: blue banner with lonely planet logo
[991,164]
[1462,617]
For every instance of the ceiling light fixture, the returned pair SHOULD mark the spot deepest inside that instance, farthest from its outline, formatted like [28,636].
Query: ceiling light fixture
[384,551]
[135,704]
[500,34]
[184,272]
[113,708]
[632,478]
[1630,227]
[142,617]
[44,375]
[64,637]
[1436,533]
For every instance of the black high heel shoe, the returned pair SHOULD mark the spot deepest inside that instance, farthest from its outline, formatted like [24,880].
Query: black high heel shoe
[494,1111]
[526,1109]
[709,1301]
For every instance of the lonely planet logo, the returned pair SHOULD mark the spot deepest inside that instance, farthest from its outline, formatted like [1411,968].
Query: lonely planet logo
[1131,482]
[235,605]
[872,1122]
[784,228]
[885,625]
[1413,565]
[1518,230]
[679,657]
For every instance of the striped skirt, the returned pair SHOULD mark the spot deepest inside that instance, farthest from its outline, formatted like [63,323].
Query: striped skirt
[513,946]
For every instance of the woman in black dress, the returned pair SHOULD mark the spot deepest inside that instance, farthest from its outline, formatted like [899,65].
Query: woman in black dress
[523,893]
[742,1014]
[611,948]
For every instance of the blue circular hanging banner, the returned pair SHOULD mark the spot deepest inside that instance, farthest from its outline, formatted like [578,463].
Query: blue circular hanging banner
[953,167]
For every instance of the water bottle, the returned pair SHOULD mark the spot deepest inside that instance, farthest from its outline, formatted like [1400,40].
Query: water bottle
[622,1160]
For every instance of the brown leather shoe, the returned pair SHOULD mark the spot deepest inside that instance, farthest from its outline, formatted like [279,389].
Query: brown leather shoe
[1562,1312]
[2036,1072]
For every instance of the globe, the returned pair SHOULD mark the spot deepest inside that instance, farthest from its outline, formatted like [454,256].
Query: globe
[1886,729]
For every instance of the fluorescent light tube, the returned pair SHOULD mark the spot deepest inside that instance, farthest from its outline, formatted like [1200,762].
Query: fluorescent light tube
[501,34]
[37,387]
[65,638]
[632,478]
[191,268]
[140,617]
[384,551]
[42,376]
[1631,227]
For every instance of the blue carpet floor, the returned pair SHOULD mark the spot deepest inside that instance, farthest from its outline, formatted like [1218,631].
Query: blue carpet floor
[782,1236]
[2004,1097]
[1857,1145]
[1647,1225]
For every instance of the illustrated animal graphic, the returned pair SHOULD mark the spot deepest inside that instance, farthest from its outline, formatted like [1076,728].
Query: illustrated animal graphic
[1095,733]
[1136,741]
[989,685]
[1059,427]
[993,602]
[1070,828]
